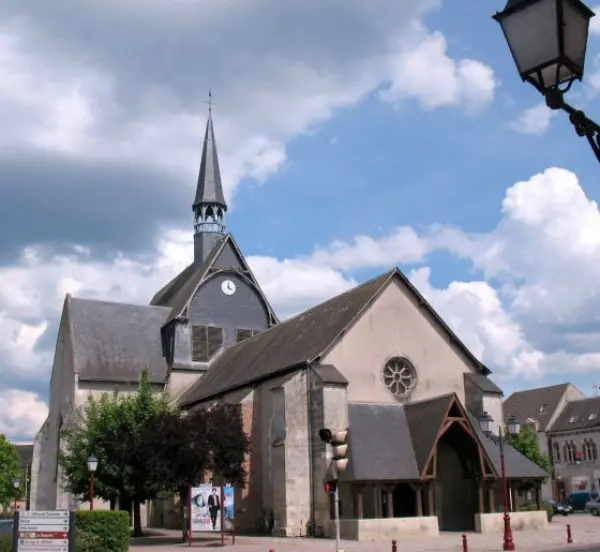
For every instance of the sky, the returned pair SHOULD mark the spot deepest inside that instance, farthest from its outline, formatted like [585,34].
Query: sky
[353,136]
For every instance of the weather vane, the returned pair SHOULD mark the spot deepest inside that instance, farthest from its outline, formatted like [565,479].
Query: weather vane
[210,102]
[596,388]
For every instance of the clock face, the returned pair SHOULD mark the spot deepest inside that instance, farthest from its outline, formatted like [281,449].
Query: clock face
[228,287]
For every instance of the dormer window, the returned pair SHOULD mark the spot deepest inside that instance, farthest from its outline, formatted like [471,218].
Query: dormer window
[206,342]
[572,419]
[542,408]
[592,416]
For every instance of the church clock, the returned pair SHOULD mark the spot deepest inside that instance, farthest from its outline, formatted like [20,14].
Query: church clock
[228,287]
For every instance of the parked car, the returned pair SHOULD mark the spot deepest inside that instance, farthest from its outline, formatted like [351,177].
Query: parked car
[578,500]
[593,507]
[6,525]
[559,508]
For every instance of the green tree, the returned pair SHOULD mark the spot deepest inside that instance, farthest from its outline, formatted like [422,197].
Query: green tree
[527,443]
[10,468]
[110,428]
[229,443]
[176,451]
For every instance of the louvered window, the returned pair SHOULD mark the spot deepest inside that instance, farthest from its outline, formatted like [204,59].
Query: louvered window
[206,341]
[242,334]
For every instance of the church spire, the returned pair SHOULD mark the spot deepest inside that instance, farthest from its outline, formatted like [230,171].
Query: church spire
[209,204]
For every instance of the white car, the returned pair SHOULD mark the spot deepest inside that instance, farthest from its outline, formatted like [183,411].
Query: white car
[593,506]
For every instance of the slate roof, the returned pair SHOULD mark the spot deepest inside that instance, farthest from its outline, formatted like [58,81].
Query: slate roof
[539,404]
[291,344]
[25,452]
[425,418]
[116,341]
[389,442]
[180,289]
[300,341]
[329,374]
[209,189]
[484,383]
[579,411]
[379,444]
[517,465]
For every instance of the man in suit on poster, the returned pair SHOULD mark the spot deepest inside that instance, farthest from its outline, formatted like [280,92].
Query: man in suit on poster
[214,505]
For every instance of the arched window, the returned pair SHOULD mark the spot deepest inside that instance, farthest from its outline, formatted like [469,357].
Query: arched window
[556,453]
[570,452]
[590,451]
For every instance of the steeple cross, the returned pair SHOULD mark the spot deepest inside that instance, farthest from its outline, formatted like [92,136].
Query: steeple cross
[210,102]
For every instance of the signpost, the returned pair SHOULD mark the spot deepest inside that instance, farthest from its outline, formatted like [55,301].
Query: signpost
[44,531]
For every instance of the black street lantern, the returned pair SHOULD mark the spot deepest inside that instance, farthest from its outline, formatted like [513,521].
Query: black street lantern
[548,41]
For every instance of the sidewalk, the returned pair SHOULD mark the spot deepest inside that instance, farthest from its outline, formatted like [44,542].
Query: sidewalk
[585,532]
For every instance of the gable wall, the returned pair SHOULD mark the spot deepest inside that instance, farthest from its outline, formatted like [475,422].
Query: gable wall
[45,491]
[396,325]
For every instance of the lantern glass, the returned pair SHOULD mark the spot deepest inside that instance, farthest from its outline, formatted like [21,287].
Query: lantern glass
[547,39]
[513,426]
[92,464]
[485,422]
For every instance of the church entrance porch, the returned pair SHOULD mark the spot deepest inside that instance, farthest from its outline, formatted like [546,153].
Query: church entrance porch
[449,480]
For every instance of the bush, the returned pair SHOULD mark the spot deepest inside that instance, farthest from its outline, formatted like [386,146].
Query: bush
[6,542]
[102,531]
[532,508]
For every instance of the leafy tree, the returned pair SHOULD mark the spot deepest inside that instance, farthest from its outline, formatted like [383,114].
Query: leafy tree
[176,451]
[229,443]
[110,428]
[10,468]
[527,443]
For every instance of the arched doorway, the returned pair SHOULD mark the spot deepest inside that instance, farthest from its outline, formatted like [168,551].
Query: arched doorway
[457,469]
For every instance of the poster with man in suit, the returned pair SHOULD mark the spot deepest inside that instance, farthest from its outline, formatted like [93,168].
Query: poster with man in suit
[205,502]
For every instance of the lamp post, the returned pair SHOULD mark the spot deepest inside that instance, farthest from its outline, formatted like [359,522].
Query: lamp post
[513,427]
[548,41]
[92,464]
[16,484]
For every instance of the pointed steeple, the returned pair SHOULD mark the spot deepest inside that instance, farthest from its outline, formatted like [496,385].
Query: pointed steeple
[209,204]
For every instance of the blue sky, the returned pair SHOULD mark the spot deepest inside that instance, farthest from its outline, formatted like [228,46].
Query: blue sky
[350,141]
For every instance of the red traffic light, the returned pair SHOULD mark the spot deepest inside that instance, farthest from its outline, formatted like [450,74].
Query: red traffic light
[330,486]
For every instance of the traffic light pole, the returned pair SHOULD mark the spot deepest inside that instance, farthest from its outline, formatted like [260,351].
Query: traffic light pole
[336,515]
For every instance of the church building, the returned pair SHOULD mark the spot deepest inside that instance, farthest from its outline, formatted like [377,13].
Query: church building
[376,360]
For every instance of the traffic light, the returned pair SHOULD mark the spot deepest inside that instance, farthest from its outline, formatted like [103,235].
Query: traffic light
[331,486]
[339,447]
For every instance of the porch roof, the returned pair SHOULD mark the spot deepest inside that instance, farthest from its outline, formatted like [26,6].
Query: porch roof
[381,447]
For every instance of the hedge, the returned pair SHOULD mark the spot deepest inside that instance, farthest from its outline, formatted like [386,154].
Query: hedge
[102,531]
[532,508]
[6,542]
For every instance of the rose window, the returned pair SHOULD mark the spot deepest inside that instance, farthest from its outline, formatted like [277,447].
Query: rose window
[399,376]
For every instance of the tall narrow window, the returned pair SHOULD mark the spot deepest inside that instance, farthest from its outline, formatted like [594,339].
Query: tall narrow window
[206,342]
[590,451]
[570,452]
[59,429]
[556,451]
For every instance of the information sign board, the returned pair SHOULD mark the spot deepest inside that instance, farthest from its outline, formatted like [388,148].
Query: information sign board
[44,531]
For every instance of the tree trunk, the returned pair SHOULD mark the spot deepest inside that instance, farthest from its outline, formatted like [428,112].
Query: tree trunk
[183,502]
[137,520]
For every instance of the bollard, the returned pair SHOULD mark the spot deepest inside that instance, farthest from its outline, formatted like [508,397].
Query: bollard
[394,547]
[569,536]
[465,544]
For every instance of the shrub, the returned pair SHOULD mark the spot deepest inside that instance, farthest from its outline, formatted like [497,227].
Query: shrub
[532,508]
[102,531]
[6,542]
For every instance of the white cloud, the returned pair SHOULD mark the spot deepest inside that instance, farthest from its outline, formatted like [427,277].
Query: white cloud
[533,120]
[22,413]
[426,73]
[69,100]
